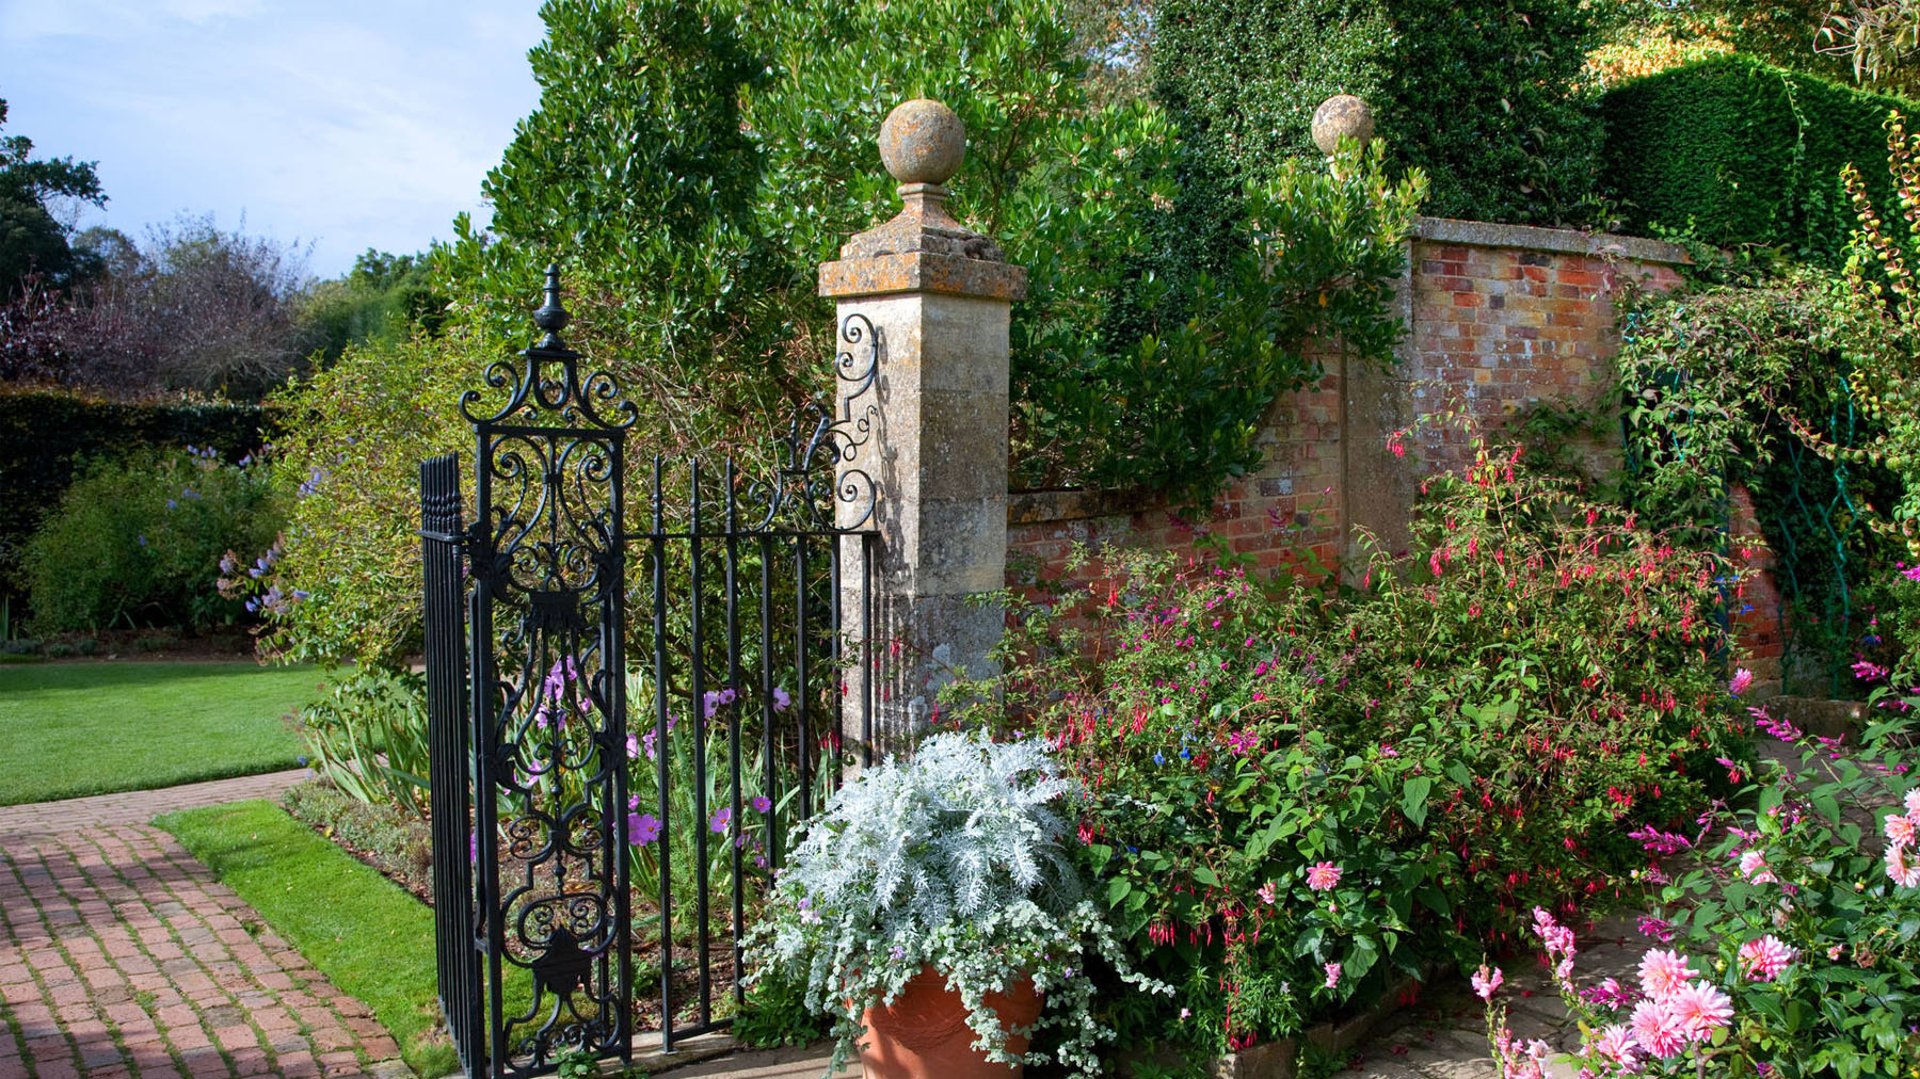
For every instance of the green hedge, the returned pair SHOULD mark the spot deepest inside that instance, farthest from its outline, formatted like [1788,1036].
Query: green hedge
[46,434]
[1482,94]
[1734,151]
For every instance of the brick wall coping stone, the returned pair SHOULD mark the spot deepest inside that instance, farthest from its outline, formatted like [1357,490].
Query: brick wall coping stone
[1560,241]
[1039,507]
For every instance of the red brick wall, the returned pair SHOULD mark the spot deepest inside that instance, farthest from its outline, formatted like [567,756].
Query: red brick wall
[1494,327]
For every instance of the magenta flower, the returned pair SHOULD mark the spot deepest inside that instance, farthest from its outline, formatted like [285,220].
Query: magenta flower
[1655,928]
[642,828]
[761,803]
[721,818]
[1763,958]
[1323,876]
[1742,681]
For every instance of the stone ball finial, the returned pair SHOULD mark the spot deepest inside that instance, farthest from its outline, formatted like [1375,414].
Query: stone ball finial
[1341,114]
[922,142]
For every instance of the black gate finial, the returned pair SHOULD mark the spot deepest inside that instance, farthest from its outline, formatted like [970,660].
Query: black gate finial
[550,316]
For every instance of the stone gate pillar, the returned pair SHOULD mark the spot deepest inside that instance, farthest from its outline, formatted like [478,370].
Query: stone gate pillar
[937,298]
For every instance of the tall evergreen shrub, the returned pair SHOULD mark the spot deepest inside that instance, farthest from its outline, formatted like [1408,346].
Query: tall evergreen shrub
[1734,151]
[1484,96]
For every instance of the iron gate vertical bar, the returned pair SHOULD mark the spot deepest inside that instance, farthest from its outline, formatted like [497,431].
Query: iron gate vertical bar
[697,687]
[767,759]
[613,668]
[449,798]
[485,747]
[736,819]
[660,754]
[867,543]
[805,748]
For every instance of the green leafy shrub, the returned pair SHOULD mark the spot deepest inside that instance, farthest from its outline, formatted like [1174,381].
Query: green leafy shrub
[1733,151]
[47,436]
[1484,97]
[1296,793]
[140,543]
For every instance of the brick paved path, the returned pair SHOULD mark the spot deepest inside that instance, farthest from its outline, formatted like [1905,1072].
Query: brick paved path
[120,955]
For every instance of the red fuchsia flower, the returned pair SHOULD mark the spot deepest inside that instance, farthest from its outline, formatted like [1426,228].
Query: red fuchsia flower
[1656,1030]
[1763,958]
[1700,1009]
[1486,983]
[1742,680]
[1323,876]
[1333,975]
[1661,973]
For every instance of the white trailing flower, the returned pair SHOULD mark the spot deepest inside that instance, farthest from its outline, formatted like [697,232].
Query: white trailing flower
[955,859]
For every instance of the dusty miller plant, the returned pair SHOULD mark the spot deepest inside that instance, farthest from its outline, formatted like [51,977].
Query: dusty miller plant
[954,859]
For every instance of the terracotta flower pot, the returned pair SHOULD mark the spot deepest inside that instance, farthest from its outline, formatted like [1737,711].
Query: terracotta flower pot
[924,1033]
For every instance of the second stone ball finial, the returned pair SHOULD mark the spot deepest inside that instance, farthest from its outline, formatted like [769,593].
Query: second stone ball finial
[922,142]
[1341,114]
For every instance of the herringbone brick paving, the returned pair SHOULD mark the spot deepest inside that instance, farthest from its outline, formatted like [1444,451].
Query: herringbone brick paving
[121,956]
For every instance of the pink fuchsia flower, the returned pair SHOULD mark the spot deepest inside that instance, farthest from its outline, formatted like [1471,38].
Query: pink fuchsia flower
[1742,681]
[1322,876]
[1486,983]
[1609,993]
[1267,893]
[1655,1029]
[1753,866]
[1901,871]
[1661,974]
[1655,928]
[1868,671]
[1333,975]
[1700,1009]
[1617,1047]
[1899,831]
[1763,958]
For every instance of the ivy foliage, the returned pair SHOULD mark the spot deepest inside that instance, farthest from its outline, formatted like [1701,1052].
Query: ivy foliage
[689,165]
[1484,96]
[1735,152]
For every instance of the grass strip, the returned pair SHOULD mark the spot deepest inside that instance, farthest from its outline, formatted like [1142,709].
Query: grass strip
[73,729]
[370,938]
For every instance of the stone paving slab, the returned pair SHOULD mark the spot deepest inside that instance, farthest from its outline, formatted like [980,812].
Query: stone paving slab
[122,956]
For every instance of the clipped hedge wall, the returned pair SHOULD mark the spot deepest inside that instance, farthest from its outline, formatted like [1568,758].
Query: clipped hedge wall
[46,434]
[1735,151]
[1485,95]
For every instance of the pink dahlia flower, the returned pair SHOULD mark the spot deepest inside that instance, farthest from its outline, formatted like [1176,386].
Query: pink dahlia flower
[1617,1047]
[1662,973]
[1700,1009]
[1899,831]
[1901,871]
[1656,1030]
[1322,876]
[1763,958]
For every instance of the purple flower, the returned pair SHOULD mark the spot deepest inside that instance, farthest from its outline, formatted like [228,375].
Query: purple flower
[781,701]
[713,699]
[721,819]
[761,803]
[642,828]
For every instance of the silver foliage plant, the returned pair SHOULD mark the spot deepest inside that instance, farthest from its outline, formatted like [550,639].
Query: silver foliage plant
[956,859]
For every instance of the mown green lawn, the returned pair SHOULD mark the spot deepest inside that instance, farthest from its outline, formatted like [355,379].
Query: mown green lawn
[368,937]
[71,729]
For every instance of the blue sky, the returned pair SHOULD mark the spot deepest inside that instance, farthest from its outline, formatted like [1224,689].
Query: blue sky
[345,124]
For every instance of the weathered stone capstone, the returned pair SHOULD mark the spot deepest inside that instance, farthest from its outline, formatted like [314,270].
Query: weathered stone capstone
[1341,114]
[938,296]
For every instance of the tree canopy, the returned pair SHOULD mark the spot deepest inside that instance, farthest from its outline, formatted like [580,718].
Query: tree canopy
[32,239]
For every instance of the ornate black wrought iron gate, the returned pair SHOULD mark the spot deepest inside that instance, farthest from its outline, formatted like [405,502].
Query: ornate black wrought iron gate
[552,815]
